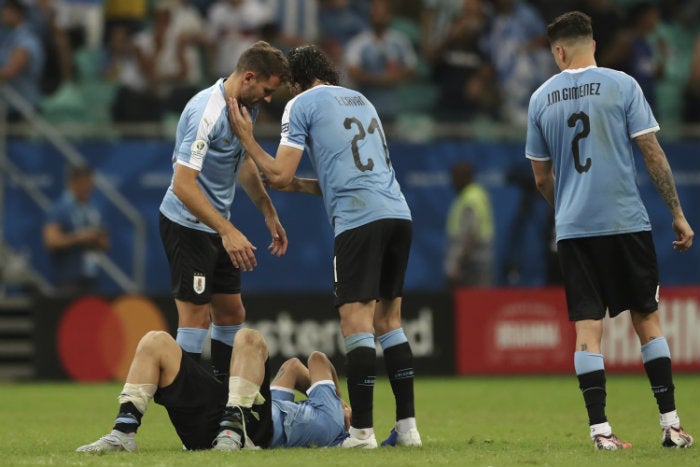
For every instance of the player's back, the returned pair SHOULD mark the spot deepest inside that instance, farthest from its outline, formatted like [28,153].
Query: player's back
[347,147]
[584,121]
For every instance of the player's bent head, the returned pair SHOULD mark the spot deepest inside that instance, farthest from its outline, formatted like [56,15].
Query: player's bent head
[265,61]
[308,63]
[572,25]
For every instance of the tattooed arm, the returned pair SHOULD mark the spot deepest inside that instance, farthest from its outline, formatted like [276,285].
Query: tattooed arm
[660,172]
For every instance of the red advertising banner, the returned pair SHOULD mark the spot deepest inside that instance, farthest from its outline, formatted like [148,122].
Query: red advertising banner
[527,331]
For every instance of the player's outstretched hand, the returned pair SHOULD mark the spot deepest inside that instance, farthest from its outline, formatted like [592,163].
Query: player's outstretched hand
[278,247]
[684,234]
[239,249]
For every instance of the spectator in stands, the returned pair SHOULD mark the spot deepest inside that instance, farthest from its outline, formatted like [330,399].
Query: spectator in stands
[41,16]
[674,36]
[73,233]
[131,13]
[469,257]
[233,26]
[381,59]
[436,20]
[634,53]
[125,67]
[518,49]
[609,20]
[691,108]
[466,78]
[83,20]
[339,23]
[21,55]
[172,55]
[78,25]
[297,22]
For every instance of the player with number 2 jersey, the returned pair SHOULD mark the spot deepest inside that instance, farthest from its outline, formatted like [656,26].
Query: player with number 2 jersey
[583,120]
[581,125]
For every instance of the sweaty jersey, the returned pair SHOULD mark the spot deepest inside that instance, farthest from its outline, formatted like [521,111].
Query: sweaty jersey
[204,142]
[584,121]
[342,133]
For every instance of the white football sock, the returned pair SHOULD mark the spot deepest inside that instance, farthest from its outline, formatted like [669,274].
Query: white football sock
[670,419]
[601,429]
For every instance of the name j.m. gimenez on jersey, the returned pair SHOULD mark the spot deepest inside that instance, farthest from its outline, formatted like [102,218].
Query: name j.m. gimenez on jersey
[570,93]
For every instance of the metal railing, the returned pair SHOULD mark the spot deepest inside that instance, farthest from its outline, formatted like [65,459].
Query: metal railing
[133,281]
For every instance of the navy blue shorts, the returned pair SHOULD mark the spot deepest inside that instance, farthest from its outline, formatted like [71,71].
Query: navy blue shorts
[199,264]
[370,261]
[195,403]
[613,272]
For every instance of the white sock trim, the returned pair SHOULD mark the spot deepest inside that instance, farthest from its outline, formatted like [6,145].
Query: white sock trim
[669,419]
[405,424]
[361,433]
[282,388]
[242,392]
[138,394]
[601,429]
[318,383]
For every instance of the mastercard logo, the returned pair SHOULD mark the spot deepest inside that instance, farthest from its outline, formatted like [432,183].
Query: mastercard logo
[97,339]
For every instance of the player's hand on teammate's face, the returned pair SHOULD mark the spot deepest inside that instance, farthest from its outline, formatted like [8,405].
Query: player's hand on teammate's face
[239,119]
[240,250]
[684,235]
[278,246]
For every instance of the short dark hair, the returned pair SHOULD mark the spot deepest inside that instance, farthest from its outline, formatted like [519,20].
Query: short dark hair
[571,25]
[265,60]
[75,172]
[462,175]
[15,5]
[308,63]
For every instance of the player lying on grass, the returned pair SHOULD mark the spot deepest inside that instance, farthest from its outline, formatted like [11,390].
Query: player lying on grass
[248,413]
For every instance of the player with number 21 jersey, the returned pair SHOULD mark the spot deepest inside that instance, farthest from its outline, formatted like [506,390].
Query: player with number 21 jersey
[345,142]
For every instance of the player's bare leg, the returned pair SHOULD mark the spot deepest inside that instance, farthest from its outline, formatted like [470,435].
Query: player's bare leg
[156,364]
[247,374]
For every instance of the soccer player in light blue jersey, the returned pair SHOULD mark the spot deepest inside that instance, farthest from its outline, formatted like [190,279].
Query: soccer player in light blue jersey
[244,412]
[581,124]
[343,136]
[205,250]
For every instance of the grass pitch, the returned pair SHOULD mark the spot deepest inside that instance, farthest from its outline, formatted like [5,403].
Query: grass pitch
[504,421]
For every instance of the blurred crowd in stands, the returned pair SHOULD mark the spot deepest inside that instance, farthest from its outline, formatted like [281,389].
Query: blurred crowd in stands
[446,60]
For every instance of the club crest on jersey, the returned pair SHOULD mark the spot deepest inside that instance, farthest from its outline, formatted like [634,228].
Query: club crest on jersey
[199,283]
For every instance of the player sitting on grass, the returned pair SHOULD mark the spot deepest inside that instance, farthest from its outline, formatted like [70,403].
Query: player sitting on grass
[248,413]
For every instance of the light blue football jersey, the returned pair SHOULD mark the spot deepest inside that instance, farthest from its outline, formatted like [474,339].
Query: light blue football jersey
[584,121]
[204,141]
[317,421]
[344,138]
